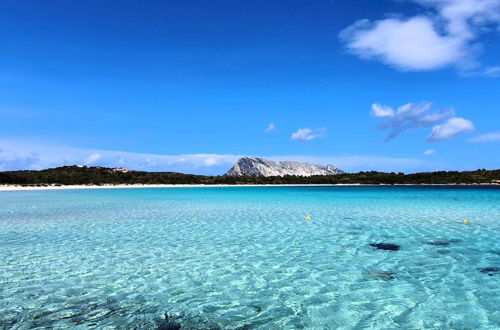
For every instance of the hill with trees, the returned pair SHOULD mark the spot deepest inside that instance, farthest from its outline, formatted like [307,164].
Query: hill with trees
[83,175]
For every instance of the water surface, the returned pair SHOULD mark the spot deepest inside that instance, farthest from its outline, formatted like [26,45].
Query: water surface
[247,258]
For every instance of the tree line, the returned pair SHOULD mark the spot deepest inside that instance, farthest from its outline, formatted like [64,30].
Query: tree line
[82,175]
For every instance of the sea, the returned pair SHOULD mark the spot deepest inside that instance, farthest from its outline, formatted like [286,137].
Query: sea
[271,257]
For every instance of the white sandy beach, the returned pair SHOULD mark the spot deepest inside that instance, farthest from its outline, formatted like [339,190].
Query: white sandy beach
[122,186]
[135,186]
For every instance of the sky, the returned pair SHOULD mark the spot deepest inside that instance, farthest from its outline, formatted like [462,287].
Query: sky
[190,86]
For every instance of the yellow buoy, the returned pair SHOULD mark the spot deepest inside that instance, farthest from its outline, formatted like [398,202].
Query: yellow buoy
[308,218]
[466,221]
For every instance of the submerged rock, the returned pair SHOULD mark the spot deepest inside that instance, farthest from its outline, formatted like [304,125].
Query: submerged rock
[168,324]
[385,246]
[444,242]
[438,243]
[454,240]
[383,274]
[490,271]
[257,308]
[443,251]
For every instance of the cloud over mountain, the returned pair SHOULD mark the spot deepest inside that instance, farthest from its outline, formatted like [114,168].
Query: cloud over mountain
[15,155]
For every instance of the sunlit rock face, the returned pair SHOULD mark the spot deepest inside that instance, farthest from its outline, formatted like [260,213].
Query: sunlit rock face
[262,167]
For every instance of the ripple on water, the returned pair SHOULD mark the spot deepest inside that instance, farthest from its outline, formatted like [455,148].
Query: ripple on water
[246,258]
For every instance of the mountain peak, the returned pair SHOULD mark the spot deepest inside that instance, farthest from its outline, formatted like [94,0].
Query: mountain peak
[255,166]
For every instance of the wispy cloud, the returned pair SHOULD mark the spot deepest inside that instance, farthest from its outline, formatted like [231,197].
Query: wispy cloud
[452,127]
[93,159]
[492,72]
[429,152]
[308,134]
[270,127]
[408,116]
[15,155]
[379,110]
[356,163]
[444,35]
[488,137]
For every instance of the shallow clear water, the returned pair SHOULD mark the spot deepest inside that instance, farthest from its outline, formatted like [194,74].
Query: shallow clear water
[246,257]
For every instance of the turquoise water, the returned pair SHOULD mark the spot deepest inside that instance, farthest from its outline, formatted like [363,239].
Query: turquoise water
[246,258]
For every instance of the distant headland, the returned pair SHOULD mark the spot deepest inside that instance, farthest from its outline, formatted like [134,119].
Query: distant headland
[247,171]
[254,166]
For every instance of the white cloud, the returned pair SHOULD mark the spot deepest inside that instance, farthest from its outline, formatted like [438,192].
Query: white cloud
[442,36]
[270,127]
[92,159]
[211,161]
[452,127]
[429,152]
[488,137]
[16,155]
[408,116]
[308,134]
[379,110]
[492,72]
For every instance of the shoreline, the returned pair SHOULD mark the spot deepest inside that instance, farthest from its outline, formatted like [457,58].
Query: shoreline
[136,186]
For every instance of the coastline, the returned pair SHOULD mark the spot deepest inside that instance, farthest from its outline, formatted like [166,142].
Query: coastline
[136,186]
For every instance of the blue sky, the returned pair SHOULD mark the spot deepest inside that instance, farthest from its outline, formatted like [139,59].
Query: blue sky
[192,85]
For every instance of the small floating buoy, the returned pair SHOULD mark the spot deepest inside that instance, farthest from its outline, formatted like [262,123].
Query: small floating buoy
[466,221]
[308,218]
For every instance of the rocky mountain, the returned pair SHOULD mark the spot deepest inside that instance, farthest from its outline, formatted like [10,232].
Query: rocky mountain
[254,166]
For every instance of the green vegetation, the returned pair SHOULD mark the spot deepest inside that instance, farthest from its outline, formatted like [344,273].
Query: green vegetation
[81,175]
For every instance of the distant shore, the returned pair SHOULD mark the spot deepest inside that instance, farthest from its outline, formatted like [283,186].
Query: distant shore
[133,186]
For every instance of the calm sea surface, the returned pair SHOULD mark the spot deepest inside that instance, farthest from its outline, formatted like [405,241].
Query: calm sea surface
[247,258]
